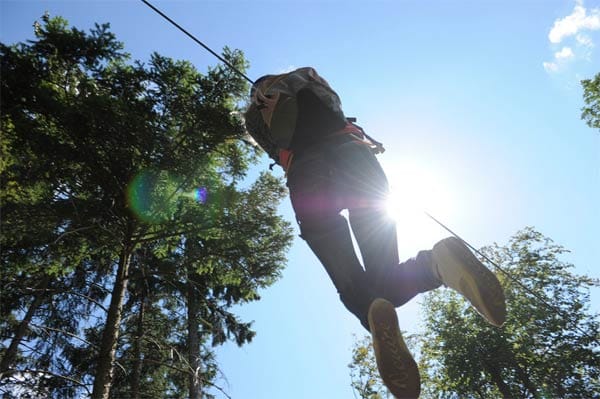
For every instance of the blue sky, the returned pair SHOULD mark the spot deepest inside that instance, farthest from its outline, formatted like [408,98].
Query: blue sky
[478,105]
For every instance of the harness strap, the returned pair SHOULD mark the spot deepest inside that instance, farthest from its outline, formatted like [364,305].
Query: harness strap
[285,159]
[355,132]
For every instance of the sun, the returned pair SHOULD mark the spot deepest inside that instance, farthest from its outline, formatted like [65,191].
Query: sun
[414,190]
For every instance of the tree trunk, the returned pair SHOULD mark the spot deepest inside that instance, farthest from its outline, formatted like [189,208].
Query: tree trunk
[110,335]
[11,353]
[500,384]
[193,344]
[136,373]
[524,377]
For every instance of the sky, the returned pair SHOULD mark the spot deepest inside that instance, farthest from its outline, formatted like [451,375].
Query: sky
[478,104]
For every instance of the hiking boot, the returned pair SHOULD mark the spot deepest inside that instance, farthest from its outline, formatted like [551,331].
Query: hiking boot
[397,368]
[460,270]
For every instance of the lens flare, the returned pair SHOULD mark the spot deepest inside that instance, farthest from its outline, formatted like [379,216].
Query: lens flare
[201,195]
[155,196]
[152,196]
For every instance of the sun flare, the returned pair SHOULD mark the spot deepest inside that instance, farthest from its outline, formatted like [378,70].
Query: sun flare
[414,190]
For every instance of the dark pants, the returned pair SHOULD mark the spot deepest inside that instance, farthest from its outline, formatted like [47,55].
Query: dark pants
[325,180]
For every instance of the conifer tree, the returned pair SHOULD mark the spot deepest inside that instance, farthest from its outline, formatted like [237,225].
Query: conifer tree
[127,233]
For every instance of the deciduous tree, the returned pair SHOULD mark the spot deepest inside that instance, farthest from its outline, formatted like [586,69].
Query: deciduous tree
[591,96]
[548,347]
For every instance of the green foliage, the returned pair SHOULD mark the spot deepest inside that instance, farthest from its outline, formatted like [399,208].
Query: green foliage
[363,371]
[100,156]
[591,95]
[541,351]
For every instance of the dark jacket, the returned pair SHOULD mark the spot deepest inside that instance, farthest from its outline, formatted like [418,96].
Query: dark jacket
[293,111]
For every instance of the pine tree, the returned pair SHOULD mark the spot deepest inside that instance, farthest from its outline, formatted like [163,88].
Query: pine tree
[125,224]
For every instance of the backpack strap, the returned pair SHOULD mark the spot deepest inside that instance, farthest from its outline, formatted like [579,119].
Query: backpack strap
[359,133]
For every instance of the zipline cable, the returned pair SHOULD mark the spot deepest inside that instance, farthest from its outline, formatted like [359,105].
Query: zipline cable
[480,253]
[223,60]
[233,68]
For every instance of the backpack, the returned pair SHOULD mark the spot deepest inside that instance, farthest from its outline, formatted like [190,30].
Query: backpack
[271,117]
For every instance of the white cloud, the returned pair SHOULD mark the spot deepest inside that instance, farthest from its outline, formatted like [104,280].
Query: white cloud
[584,40]
[576,28]
[560,59]
[550,66]
[564,54]
[572,24]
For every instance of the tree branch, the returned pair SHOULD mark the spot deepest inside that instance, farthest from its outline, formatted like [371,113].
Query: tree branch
[66,333]
[50,373]
[88,298]
[160,235]
[60,237]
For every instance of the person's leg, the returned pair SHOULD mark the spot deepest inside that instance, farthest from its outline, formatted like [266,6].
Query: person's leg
[363,186]
[376,237]
[414,276]
[326,232]
[449,263]
[365,189]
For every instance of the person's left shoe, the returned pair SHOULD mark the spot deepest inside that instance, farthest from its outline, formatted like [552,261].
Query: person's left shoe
[397,368]
[459,269]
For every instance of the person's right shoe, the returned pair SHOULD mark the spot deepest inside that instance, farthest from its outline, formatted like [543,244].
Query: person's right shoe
[396,366]
[459,269]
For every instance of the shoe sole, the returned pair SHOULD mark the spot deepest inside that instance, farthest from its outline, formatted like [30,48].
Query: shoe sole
[478,284]
[397,368]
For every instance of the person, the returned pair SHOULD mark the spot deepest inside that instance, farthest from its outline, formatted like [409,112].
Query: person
[331,166]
